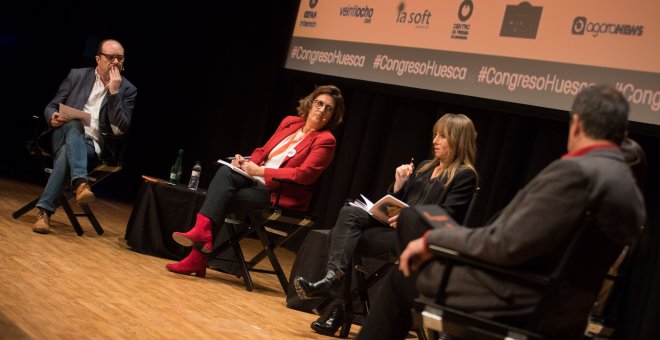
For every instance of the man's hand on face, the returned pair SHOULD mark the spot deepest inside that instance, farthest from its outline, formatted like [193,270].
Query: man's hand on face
[115,79]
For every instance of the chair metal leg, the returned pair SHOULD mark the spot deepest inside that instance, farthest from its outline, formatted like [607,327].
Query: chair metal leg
[229,243]
[418,326]
[268,247]
[262,254]
[20,212]
[238,252]
[92,219]
[361,289]
[72,217]
[364,283]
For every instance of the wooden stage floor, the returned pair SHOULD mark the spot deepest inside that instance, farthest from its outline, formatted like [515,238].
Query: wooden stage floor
[61,285]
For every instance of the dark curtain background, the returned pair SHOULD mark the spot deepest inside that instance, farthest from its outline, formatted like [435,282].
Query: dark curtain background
[210,80]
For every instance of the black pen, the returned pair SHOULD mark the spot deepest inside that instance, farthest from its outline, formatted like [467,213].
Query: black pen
[247,158]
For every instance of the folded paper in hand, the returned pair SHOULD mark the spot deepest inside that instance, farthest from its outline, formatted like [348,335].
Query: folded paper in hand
[258,179]
[70,113]
[383,209]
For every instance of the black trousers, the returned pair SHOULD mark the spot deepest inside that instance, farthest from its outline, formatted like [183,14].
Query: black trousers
[354,224]
[390,316]
[232,192]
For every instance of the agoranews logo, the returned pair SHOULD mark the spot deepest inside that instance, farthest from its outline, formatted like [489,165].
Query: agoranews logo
[358,12]
[582,25]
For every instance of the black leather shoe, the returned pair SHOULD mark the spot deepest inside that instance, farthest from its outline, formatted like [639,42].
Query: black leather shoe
[330,323]
[309,290]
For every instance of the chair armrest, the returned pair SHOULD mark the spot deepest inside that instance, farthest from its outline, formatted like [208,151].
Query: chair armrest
[283,183]
[112,136]
[290,182]
[453,257]
[427,314]
[438,316]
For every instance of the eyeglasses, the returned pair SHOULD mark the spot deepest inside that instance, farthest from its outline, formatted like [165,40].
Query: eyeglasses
[325,107]
[111,57]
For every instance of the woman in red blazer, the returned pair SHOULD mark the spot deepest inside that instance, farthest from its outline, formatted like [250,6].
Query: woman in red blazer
[300,150]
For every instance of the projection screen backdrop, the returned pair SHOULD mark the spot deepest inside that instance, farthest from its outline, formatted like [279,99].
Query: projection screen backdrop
[539,53]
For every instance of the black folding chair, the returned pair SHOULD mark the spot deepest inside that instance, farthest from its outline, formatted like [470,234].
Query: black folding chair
[439,319]
[367,276]
[606,312]
[112,148]
[273,222]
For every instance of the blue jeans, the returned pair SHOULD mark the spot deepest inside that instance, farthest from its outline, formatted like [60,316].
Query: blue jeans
[71,150]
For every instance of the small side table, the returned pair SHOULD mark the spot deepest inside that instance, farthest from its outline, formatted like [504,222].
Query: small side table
[159,210]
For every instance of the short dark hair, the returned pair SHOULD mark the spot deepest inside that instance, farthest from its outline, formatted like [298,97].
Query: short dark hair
[99,48]
[603,111]
[305,104]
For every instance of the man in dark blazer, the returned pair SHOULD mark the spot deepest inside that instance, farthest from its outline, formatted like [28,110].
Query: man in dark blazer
[591,183]
[109,98]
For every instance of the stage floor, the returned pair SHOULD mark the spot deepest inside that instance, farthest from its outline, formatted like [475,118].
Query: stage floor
[61,285]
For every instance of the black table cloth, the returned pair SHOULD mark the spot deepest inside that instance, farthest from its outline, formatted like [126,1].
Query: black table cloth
[160,210]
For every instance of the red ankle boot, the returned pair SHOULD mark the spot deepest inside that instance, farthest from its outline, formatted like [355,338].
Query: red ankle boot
[200,233]
[195,262]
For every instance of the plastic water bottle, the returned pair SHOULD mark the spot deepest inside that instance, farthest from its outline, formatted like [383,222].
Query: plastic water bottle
[175,171]
[194,177]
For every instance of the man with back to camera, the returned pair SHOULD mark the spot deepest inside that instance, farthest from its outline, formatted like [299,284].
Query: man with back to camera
[591,183]
[109,98]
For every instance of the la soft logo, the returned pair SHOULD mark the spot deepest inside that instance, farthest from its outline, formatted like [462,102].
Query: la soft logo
[313,3]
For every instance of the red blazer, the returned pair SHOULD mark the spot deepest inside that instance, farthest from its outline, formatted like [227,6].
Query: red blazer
[313,155]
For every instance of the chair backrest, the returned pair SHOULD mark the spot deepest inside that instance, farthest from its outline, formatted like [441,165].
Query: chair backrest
[469,219]
[113,148]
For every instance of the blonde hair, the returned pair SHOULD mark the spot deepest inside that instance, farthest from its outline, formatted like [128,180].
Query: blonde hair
[462,140]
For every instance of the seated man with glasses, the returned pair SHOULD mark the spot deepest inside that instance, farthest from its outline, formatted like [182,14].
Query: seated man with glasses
[109,99]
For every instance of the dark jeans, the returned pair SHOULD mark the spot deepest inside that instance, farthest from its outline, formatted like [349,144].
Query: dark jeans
[351,224]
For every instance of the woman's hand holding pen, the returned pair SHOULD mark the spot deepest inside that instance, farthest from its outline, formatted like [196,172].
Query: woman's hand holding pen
[402,174]
[252,169]
[238,160]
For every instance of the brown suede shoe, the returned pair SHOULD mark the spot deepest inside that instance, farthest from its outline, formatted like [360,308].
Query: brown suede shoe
[42,224]
[84,194]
